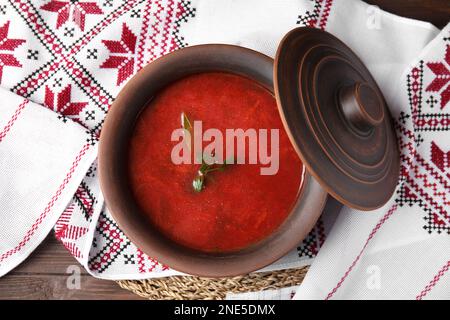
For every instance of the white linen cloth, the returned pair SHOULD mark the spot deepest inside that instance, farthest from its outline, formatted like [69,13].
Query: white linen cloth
[75,57]
[43,159]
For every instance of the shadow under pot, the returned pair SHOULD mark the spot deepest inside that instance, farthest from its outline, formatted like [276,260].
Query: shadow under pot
[318,123]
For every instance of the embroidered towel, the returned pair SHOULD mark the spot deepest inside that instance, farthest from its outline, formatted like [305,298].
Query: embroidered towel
[400,251]
[75,57]
[42,166]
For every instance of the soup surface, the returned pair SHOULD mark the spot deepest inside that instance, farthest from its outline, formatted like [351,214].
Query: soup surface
[237,206]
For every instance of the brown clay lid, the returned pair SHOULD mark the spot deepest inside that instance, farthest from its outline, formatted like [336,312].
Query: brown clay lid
[337,118]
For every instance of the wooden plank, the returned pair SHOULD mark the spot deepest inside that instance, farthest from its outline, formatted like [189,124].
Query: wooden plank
[44,275]
[54,287]
[435,11]
[49,258]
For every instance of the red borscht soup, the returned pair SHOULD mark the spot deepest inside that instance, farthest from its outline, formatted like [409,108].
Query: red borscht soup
[237,206]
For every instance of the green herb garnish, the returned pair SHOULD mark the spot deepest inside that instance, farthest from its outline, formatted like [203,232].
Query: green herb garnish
[187,126]
[186,123]
[199,181]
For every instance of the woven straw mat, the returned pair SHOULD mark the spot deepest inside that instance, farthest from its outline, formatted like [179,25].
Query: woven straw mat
[197,288]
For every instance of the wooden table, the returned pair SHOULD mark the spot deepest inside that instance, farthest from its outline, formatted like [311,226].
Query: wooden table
[44,274]
[435,11]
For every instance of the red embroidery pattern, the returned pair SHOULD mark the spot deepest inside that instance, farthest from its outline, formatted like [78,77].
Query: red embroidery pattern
[62,57]
[160,30]
[143,35]
[318,17]
[85,200]
[116,244]
[441,81]
[63,104]
[123,57]
[310,247]
[440,158]
[141,259]
[7,46]
[77,9]
[428,182]
[371,235]
[12,120]
[325,14]
[63,220]
[423,184]
[68,234]
[434,281]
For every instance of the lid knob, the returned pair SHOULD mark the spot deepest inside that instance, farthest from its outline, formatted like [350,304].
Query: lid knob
[362,106]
